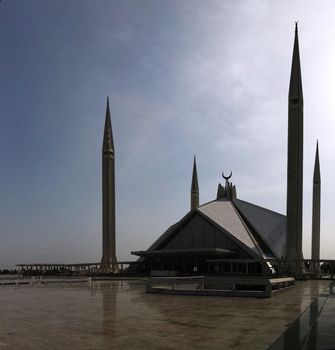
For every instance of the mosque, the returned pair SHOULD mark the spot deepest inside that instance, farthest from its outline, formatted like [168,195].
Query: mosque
[230,235]
[212,235]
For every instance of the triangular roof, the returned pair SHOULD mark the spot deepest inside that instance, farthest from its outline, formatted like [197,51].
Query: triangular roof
[249,226]
[269,225]
[224,216]
[223,213]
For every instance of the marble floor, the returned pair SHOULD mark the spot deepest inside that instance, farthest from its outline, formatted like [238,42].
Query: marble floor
[119,315]
[314,329]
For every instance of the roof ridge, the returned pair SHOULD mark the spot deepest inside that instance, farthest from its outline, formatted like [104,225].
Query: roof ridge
[268,224]
[214,200]
[247,229]
[255,253]
[256,205]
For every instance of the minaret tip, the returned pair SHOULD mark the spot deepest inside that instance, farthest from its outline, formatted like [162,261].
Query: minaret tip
[317,176]
[296,31]
[108,134]
[295,89]
[194,187]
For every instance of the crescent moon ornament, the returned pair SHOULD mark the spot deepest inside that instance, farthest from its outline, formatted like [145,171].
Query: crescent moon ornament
[227,177]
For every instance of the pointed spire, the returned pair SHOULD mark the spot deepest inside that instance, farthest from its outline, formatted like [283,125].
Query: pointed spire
[295,90]
[194,187]
[317,175]
[108,142]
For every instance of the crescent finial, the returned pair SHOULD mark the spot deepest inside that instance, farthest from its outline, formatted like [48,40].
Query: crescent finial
[227,177]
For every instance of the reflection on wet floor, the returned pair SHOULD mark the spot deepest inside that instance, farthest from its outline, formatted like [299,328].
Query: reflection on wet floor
[314,329]
[120,315]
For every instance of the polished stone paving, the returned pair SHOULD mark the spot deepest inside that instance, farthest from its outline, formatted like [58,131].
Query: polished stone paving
[314,329]
[119,315]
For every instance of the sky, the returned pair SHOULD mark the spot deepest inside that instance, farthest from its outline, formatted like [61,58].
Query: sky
[208,78]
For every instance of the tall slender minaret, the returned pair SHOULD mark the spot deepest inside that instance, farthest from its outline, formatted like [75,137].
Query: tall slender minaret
[295,164]
[316,212]
[194,187]
[108,198]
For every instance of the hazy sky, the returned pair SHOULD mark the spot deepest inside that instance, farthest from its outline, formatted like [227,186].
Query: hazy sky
[184,77]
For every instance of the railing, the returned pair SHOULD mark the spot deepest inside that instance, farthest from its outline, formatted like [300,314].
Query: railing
[318,269]
[218,285]
[121,267]
[311,268]
[42,280]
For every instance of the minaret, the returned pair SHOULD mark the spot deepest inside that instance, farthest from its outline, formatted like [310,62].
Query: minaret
[295,164]
[194,187]
[316,212]
[108,198]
